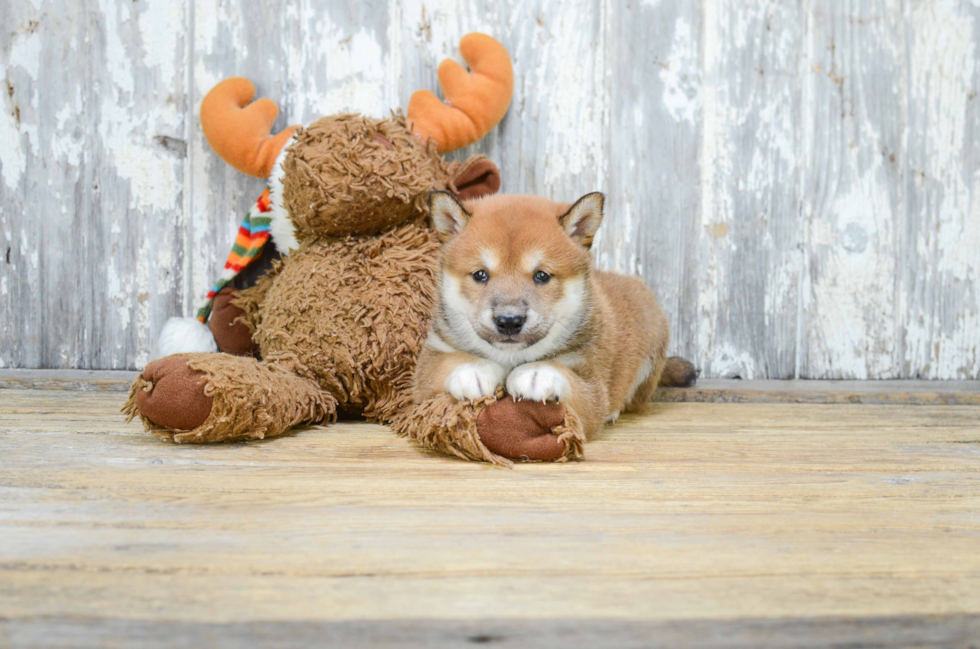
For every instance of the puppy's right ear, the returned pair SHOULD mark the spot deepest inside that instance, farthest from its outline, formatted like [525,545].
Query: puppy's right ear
[449,216]
[582,219]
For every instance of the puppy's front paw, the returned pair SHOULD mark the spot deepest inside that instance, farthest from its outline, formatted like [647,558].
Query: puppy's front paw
[538,382]
[475,380]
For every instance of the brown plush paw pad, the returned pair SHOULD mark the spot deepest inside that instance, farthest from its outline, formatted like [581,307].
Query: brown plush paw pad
[176,399]
[232,337]
[522,429]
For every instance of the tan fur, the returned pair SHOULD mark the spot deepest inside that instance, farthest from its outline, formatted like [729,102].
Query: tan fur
[614,348]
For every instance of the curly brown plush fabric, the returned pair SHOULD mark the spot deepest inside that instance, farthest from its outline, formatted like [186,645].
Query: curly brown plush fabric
[376,183]
[356,310]
[445,425]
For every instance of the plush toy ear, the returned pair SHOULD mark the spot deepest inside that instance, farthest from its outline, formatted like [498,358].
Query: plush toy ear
[477,177]
[448,215]
[582,219]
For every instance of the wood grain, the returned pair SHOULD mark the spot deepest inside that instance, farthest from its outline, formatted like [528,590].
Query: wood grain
[941,337]
[769,515]
[653,161]
[854,190]
[796,180]
[749,266]
[860,633]
[92,130]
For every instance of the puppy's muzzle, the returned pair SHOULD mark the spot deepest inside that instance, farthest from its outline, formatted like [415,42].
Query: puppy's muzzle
[509,325]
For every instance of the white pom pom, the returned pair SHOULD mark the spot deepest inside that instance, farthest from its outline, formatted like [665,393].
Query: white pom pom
[184,335]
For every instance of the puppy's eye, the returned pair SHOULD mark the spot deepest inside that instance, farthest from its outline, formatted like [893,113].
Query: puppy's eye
[481,276]
[541,277]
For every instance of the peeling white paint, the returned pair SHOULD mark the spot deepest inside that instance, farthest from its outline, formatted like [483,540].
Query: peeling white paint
[344,74]
[682,93]
[572,94]
[25,53]
[853,298]
[67,146]
[943,331]
[160,24]
[729,362]
[117,57]
[24,62]
[13,160]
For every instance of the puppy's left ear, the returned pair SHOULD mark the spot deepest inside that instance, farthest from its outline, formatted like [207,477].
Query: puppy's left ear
[449,216]
[582,219]
[477,177]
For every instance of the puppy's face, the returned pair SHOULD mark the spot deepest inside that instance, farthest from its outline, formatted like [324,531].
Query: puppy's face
[514,268]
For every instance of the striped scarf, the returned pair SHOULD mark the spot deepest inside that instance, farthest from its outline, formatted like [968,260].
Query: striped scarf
[252,235]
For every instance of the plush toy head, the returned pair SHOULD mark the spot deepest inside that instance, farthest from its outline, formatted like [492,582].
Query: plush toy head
[354,175]
[349,174]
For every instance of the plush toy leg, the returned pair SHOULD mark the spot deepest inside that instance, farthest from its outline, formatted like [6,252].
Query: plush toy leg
[199,398]
[493,430]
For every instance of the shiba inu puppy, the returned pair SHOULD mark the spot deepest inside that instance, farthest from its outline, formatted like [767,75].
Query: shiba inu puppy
[521,306]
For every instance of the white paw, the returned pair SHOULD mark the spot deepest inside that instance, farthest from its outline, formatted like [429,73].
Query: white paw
[538,382]
[612,418]
[475,380]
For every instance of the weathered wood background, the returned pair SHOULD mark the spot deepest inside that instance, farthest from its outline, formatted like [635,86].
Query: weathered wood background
[798,181]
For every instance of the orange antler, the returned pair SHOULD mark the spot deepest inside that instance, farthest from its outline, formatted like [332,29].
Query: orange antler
[475,101]
[239,131]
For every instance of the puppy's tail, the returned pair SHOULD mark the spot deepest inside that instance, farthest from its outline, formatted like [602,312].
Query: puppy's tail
[678,373]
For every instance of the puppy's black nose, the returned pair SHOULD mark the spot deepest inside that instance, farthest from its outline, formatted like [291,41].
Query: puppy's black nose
[509,324]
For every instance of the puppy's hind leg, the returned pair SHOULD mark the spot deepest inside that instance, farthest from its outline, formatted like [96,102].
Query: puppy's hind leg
[647,378]
[674,372]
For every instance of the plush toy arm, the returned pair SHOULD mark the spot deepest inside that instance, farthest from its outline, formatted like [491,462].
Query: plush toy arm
[494,430]
[475,102]
[530,430]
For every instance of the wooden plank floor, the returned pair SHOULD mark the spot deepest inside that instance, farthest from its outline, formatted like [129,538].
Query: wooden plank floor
[715,523]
